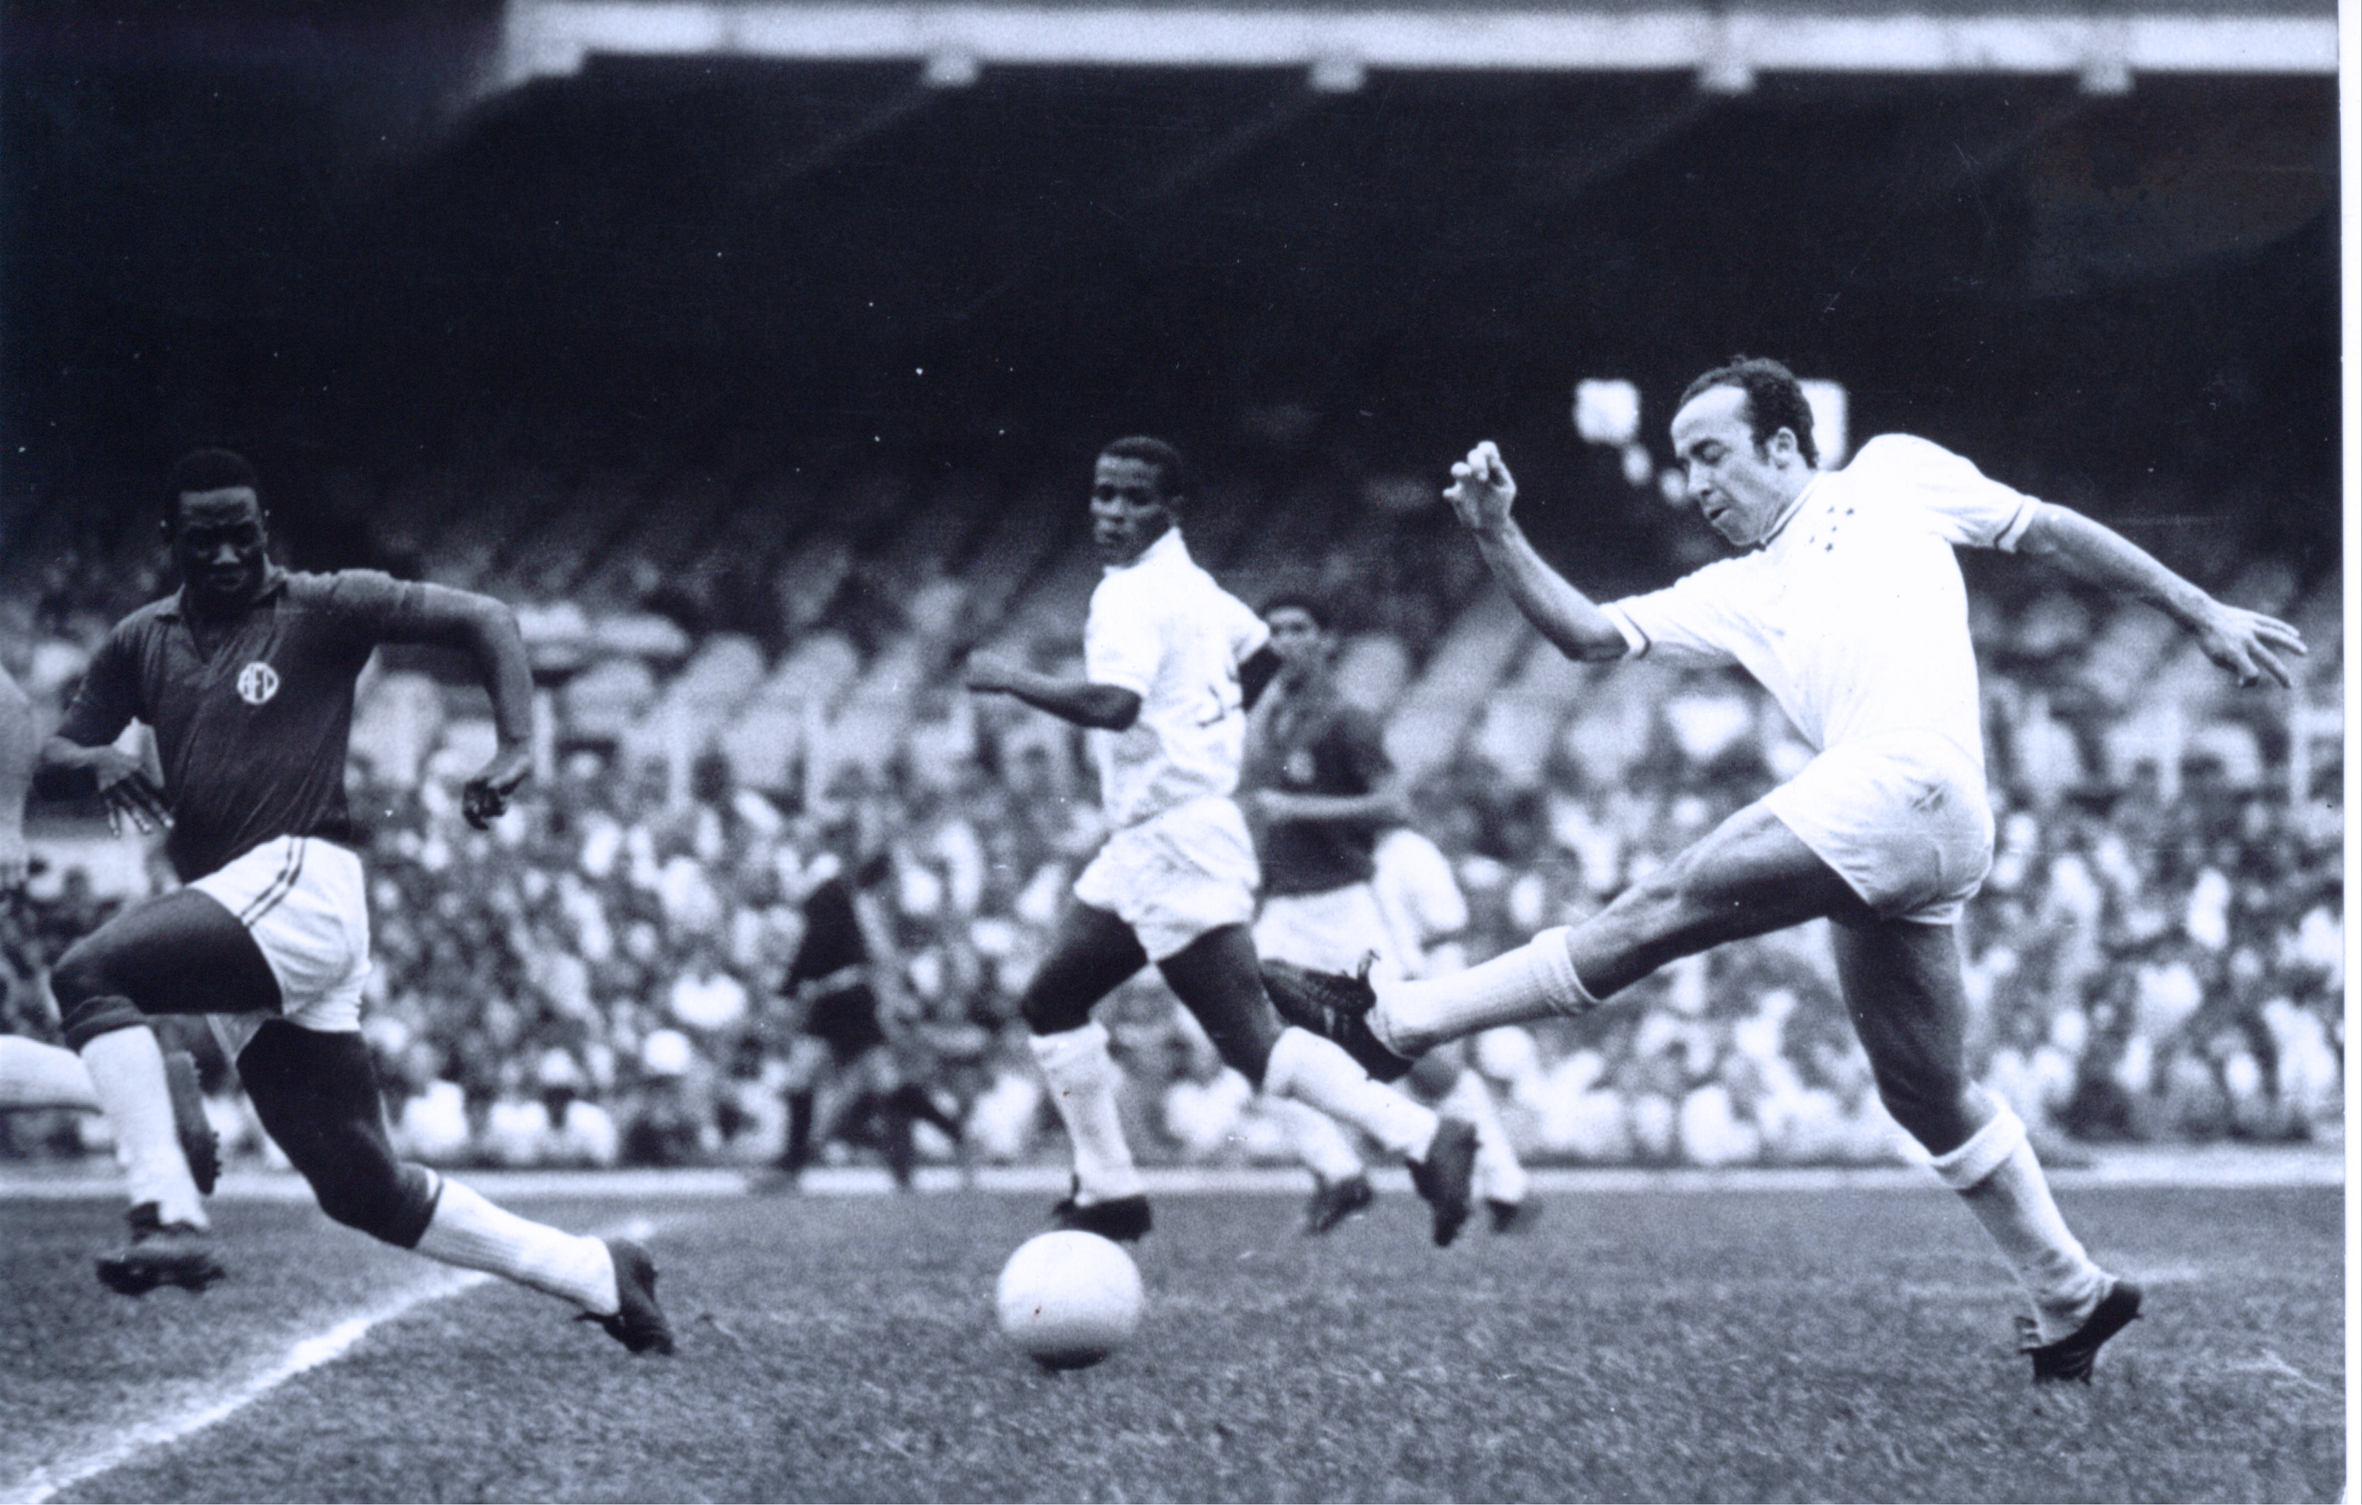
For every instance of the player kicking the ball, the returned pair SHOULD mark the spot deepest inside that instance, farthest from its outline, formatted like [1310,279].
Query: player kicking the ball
[246,675]
[1171,663]
[1850,610]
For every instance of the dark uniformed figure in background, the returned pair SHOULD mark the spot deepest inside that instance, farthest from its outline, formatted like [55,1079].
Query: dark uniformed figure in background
[843,1075]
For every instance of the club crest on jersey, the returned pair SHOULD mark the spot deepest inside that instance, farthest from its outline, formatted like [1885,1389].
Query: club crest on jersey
[1300,766]
[257,683]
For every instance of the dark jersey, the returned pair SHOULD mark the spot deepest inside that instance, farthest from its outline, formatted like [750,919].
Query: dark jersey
[832,935]
[253,734]
[1315,743]
[832,967]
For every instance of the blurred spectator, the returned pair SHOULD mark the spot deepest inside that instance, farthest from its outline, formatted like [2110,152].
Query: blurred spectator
[2159,952]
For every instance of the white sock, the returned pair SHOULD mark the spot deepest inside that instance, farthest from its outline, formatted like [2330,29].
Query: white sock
[1533,981]
[1499,1175]
[1996,1174]
[1315,1071]
[126,1069]
[34,1075]
[1083,1078]
[1316,1139]
[471,1233]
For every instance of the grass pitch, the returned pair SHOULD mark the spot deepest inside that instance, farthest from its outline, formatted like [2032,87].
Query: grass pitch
[1639,1344]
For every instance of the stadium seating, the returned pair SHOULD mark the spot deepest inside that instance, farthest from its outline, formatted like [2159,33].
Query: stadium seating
[806,629]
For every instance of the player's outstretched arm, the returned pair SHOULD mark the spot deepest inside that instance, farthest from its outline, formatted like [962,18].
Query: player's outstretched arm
[1110,708]
[1482,493]
[2247,644]
[487,630]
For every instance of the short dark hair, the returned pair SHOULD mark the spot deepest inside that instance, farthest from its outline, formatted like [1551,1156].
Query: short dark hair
[1775,400]
[1303,601]
[1173,481]
[206,470]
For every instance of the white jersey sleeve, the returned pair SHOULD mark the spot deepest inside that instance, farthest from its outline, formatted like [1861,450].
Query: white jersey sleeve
[1123,641]
[1248,632]
[1963,505]
[1688,622]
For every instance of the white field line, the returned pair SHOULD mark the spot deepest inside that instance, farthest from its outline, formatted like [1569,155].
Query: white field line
[303,1356]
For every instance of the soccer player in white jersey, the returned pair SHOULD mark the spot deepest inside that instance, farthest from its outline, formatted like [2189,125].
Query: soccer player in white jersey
[1849,609]
[1171,662]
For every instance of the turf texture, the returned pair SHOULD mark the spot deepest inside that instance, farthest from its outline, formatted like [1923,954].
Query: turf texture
[1759,1344]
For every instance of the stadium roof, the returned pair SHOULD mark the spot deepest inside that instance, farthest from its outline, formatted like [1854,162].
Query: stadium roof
[2103,45]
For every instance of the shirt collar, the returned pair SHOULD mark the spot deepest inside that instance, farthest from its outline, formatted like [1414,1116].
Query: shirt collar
[274,581]
[1167,548]
[1789,512]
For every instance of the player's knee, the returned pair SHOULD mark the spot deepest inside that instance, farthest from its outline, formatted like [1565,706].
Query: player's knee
[91,999]
[1048,1013]
[1930,1104]
[385,1199]
[81,975]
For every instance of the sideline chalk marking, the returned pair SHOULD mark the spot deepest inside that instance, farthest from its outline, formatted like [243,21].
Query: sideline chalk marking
[304,1356]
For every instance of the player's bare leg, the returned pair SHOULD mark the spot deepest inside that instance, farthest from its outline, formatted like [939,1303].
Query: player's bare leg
[1903,988]
[178,953]
[834,1098]
[317,1096]
[1752,875]
[1749,876]
[808,1063]
[1218,977]
[1092,954]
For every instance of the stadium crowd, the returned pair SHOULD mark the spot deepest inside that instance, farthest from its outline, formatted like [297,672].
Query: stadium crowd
[597,980]
[2156,954]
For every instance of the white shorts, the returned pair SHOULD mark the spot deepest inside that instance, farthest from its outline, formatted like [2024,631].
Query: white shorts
[303,901]
[1330,931]
[1177,875]
[1904,822]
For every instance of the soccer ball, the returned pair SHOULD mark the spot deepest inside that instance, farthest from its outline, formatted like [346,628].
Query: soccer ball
[1068,1299]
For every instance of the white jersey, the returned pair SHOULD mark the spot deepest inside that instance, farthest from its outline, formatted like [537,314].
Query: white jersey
[1852,614]
[1161,628]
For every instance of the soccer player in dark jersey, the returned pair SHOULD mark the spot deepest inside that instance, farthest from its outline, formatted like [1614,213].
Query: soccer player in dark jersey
[246,676]
[1319,791]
